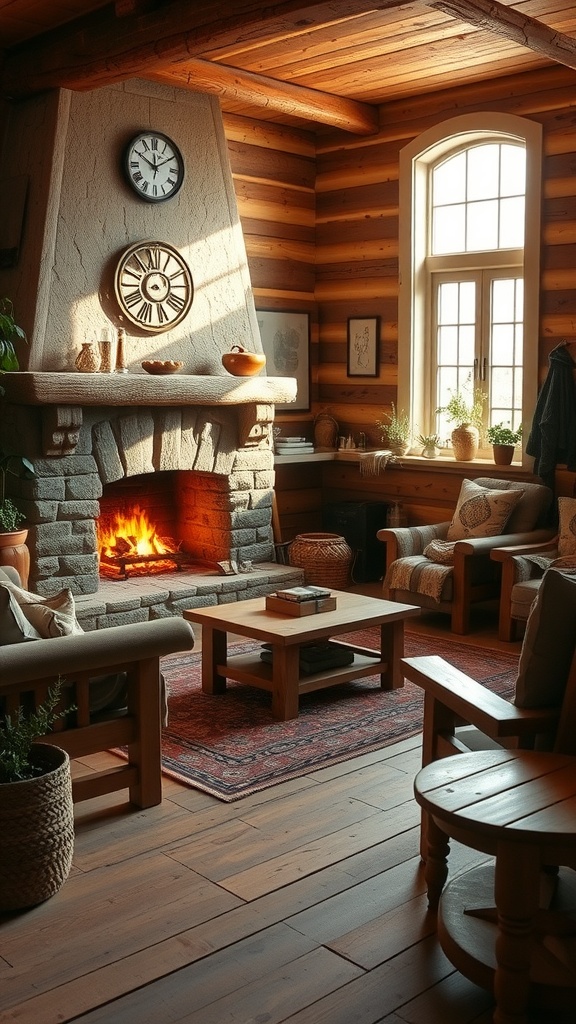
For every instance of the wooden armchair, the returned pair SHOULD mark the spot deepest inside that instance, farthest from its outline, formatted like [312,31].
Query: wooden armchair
[461,714]
[127,655]
[472,575]
[522,569]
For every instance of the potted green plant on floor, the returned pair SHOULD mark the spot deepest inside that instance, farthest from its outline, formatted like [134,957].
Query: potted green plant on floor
[503,440]
[13,535]
[36,813]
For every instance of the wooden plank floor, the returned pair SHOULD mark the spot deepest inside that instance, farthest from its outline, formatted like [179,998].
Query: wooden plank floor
[304,903]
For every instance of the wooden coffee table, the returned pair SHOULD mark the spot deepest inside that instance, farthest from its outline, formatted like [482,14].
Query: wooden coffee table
[286,634]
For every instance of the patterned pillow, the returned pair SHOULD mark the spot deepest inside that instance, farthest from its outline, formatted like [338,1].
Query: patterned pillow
[567,528]
[481,512]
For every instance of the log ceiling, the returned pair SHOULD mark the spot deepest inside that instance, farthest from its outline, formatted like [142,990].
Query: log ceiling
[297,62]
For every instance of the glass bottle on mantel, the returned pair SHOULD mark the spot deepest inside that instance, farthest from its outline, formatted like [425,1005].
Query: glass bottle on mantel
[88,358]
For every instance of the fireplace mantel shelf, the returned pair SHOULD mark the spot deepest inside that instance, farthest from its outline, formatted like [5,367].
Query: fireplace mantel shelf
[31,387]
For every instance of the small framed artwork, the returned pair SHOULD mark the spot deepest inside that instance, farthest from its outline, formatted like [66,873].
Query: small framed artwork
[363,339]
[285,339]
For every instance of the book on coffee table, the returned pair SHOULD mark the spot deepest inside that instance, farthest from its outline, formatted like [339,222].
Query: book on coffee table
[298,608]
[303,593]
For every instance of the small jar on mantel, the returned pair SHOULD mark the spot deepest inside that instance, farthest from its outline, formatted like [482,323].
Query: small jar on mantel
[88,358]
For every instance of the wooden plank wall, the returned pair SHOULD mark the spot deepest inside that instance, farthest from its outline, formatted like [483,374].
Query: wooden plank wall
[320,218]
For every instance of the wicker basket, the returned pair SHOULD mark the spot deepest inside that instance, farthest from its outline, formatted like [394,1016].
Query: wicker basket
[36,832]
[325,558]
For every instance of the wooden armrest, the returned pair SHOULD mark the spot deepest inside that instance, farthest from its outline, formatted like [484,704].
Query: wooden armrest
[501,554]
[473,702]
[486,545]
[96,650]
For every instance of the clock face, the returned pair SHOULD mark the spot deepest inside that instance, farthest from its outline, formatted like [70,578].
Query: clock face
[153,286]
[154,166]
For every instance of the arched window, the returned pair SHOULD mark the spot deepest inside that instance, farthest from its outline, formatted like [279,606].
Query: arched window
[469,269]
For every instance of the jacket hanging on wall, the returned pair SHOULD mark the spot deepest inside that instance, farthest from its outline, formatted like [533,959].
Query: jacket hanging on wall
[552,438]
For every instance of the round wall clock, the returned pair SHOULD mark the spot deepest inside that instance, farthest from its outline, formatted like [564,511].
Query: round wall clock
[153,286]
[154,166]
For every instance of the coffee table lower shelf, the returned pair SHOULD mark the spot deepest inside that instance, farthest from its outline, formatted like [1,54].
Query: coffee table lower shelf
[247,668]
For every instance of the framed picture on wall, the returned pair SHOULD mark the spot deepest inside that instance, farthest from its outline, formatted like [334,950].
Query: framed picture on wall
[363,340]
[285,339]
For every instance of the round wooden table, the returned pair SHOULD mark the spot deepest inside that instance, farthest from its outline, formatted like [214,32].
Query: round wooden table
[509,926]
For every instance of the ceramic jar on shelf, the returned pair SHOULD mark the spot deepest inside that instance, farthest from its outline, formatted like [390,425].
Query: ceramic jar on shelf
[88,358]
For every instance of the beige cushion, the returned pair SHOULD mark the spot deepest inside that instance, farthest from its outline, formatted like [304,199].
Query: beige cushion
[549,642]
[440,551]
[39,618]
[533,509]
[481,512]
[567,526]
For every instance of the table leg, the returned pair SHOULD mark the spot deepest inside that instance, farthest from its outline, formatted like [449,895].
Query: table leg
[436,868]
[285,677]
[392,649]
[213,654]
[516,889]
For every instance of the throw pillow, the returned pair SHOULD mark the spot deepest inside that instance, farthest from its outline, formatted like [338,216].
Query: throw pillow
[481,512]
[39,618]
[567,526]
[440,551]
[549,642]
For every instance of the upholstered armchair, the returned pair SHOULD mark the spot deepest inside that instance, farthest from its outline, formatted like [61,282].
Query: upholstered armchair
[111,676]
[461,714]
[447,567]
[524,565]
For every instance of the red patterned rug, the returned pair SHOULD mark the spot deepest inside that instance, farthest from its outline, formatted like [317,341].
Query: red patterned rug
[229,745]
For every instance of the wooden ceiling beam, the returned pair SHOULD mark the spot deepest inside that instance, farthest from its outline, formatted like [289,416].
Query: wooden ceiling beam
[510,24]
[282,97]
[101,49]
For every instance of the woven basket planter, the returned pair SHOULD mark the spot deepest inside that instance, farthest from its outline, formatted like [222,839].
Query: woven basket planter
[325,558]
[36,831]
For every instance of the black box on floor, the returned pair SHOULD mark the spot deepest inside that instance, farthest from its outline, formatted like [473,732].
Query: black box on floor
[357,522]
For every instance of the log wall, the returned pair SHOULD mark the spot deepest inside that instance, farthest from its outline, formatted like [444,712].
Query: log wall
[320,218]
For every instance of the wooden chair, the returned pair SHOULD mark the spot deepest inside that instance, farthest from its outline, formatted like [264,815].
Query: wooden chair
[472,576]
[461,715]
[520,582]
[121,659]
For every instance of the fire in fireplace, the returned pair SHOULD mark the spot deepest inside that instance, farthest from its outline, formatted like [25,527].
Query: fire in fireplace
[129,544]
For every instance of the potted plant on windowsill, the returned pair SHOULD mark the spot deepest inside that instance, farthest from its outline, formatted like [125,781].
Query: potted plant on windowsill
[503,440]
[395,431]
[36,812]
[465,411]
[430,445]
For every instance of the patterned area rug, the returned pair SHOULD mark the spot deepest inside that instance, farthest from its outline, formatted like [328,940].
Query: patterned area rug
[229,745]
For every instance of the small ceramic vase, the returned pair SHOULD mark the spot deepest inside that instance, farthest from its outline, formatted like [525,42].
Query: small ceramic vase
[88,358]
[465,440]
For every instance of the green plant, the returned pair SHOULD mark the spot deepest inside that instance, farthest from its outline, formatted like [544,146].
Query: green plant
[501,434]
[9,334]
[465,405]
[10,515]
[426,440]
[19,732]
[395,427]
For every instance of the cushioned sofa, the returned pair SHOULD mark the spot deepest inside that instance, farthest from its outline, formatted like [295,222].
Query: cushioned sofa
[111,675]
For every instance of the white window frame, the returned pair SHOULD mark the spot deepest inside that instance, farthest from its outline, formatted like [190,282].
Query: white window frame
[413,313]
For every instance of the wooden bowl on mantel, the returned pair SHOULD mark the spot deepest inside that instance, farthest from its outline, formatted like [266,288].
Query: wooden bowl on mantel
[243,364]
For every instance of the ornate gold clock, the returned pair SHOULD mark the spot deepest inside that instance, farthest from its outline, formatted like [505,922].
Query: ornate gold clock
[153,286]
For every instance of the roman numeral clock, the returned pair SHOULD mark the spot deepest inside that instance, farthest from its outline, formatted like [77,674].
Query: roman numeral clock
[153,286]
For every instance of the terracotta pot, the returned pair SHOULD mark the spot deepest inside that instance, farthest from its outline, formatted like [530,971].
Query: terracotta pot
[465,440]
[13,551]
[503,454]
[243,364]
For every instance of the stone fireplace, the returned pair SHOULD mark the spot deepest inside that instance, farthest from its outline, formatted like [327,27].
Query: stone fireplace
[209,437]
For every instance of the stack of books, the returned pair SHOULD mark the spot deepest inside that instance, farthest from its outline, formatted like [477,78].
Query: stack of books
[301,601]
[316,657]
[294,446]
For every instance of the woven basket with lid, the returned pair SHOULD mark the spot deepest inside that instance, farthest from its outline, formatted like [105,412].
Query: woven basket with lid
[325,558]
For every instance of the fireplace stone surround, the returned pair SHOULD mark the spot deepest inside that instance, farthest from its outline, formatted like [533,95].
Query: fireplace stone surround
[84,431]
